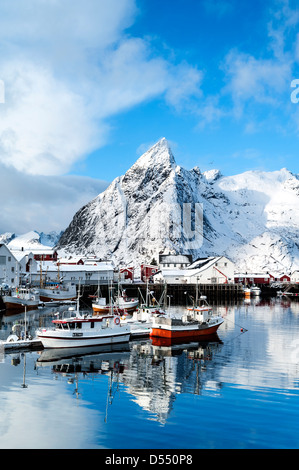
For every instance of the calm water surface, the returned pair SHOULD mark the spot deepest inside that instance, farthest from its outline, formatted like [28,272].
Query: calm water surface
[238,391]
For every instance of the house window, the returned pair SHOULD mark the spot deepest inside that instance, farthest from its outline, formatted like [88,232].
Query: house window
[2,259]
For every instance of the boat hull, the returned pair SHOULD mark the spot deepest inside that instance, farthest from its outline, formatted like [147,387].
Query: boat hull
[128,306]
[44,298]
[100,310]
[16,303]
[57,293]
[51,341]
[183,331]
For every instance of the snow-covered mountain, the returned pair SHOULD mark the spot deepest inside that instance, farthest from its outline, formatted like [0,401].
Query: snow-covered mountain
[30,240]
[158,206]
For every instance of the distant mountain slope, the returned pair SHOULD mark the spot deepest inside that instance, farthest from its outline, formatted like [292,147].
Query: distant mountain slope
[30,240]
[252,218]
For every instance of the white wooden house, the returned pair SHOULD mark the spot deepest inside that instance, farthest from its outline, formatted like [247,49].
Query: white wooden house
[211,270]
[9,267]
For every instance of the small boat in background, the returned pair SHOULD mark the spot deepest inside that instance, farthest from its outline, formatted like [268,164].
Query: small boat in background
[20,339]
[140,321]
[22,297]
[58,292]
[255,290]
[247,292]
[123,302]
[100,306]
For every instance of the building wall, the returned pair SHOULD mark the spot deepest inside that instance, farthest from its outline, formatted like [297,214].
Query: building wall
[295,277]
[9,267]
[220,272]
[82,276]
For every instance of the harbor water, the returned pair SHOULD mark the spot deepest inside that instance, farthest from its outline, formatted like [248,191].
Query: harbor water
[239,390]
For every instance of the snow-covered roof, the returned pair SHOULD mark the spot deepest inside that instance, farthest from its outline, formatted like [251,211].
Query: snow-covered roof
[50,266]
[250,275]
[204,262]
[172,259]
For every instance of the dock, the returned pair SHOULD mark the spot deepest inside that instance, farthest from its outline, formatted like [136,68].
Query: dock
[176,294]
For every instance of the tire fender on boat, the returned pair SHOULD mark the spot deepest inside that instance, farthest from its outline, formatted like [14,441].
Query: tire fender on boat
[12,339]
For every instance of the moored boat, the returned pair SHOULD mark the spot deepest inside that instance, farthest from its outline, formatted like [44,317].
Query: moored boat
[22,297]
[58,292]
[140,321]
[100,306]
[196,323]
[247,292]
[82,331]
[123,302]
[15,343]
[255,290]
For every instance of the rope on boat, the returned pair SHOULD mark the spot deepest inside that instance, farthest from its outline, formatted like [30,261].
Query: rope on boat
[243,330]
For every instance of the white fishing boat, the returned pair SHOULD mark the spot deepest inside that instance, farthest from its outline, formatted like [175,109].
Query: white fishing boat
[83,330]
[22,297]
[100,306]
[20,339]
[255,290]
[198,322]
[58,292]
[123,302]
[140,321]
[16,343]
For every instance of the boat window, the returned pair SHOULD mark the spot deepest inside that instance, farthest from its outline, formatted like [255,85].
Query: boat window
[78,325]
[92,324]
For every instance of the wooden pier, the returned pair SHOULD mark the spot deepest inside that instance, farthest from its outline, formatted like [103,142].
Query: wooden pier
[175,294]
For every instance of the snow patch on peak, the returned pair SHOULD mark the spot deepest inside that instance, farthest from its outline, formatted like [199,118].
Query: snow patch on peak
[159,154]
[212,175]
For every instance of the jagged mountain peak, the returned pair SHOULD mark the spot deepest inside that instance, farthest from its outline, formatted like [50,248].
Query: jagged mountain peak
[158,155]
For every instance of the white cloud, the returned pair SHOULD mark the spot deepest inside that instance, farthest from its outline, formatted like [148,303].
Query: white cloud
[255,80]
[73,68]
[67,67]
[42,203]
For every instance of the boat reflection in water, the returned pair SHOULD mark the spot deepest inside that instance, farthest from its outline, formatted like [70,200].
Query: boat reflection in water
[158,372]
[89,357]
[152,373]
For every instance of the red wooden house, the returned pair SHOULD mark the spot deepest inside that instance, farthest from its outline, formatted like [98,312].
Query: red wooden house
[128,273]
[147,270]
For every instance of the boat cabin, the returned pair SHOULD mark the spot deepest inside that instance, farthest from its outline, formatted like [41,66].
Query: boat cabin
[86,323]
[198,315]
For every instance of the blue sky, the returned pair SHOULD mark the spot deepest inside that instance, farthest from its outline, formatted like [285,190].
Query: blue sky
[240,116]
[90,85]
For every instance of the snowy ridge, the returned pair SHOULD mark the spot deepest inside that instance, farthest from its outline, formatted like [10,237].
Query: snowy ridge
[252,218]
[30,240]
